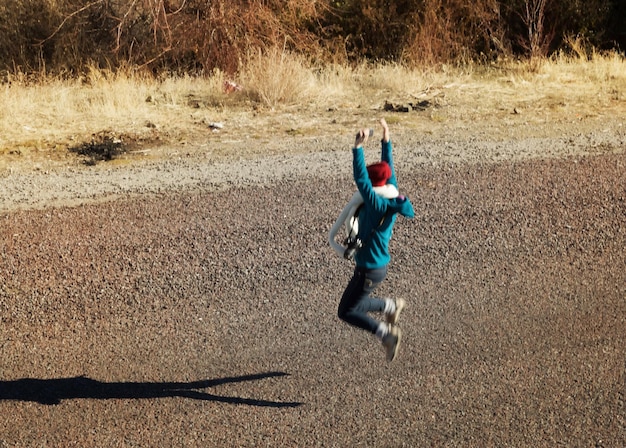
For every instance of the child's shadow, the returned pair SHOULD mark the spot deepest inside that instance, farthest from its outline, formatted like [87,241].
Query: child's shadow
[53,391]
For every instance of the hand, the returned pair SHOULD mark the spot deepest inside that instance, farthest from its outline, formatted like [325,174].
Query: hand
[383,123]
[361,138]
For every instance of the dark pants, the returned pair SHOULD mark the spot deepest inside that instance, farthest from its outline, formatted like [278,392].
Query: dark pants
[356,301]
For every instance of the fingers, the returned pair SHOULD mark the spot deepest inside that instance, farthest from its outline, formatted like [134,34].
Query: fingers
[363,134]
[383,123]
[361,138]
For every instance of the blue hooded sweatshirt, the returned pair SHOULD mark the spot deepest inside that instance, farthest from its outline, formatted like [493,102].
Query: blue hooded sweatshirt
[375,251]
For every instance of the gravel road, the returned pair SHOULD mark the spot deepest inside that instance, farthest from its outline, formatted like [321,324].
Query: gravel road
[192,302]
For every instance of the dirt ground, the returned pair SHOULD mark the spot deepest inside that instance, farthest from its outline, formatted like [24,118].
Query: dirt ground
[176,298]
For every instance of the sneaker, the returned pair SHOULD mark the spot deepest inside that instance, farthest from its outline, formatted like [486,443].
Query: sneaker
[393,318]
[391,342]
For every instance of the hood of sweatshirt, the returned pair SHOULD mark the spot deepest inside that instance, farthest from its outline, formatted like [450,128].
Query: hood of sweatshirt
[401,204]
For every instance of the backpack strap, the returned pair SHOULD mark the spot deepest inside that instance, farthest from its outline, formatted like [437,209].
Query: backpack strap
[380,223]
[374,229]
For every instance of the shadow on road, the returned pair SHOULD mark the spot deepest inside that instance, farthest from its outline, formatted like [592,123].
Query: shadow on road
[53,391]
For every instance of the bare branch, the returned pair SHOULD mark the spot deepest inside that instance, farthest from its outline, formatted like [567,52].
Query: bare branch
[87,6]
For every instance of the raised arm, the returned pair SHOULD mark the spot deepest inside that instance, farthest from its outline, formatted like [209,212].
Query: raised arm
[387,152]
[363,182]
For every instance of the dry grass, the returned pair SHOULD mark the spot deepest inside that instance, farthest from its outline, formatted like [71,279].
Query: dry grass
[281,96]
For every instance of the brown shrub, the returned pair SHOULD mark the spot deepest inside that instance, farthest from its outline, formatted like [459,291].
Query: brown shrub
[24,27]
[198,36]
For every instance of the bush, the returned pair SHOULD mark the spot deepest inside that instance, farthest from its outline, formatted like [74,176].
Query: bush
[24,28]
[197,36]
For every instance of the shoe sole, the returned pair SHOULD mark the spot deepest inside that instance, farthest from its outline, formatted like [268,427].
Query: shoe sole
[394,354]
[395,317]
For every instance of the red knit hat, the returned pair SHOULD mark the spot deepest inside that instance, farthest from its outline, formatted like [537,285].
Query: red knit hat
[379,173]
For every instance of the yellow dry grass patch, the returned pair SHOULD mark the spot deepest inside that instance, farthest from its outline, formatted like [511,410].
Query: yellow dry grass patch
[281,96]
